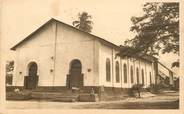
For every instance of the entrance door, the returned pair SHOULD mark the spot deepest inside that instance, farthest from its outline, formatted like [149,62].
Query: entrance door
[75,77]
[31,81]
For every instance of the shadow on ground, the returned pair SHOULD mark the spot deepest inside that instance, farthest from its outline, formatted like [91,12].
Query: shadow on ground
[133,105]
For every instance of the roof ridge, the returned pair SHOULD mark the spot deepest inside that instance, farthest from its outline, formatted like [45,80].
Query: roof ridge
[52,18]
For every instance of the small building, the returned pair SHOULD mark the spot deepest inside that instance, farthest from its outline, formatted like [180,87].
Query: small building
[167,78]
[60,57]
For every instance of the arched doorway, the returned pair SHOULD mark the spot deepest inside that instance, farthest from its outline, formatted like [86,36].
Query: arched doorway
[75,74]
[31,81]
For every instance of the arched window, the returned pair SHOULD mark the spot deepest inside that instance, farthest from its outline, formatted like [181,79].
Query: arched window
[132,74]
[125,73]
[142,76]
[117,72]
[108,70]
[137,72]
[150,78]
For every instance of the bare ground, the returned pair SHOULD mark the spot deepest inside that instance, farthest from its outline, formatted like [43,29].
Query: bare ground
[165,100]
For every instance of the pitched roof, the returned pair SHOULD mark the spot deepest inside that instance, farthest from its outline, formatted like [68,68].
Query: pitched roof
[53,19]
[39,28]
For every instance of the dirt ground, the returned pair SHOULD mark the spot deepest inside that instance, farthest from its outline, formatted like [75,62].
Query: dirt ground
[165,100]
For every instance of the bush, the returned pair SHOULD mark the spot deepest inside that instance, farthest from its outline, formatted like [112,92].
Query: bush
[135,90]
[153,88]
[18,95]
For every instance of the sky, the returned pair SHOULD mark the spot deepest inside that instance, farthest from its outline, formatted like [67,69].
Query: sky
[111,19]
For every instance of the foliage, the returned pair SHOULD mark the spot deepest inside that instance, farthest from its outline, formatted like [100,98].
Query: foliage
[9,69]
[9,66]
[156,30]
[21,95]
[167,81]
[135,90]
[84,22]
[175,64]
[154,88]
[176,84]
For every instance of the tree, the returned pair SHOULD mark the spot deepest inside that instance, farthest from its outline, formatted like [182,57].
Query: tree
[175,64]
[84,22]
[9,70]
[9,66]
[157,30]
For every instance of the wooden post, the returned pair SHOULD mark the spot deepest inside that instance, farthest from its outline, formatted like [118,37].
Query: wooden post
[156,71]
[171,81]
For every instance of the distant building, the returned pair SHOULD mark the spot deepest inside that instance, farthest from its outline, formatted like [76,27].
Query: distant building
[167,77]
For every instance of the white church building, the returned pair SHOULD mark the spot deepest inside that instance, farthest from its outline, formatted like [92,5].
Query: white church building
[58,56]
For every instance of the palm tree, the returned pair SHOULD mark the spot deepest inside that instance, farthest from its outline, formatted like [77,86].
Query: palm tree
[84,22]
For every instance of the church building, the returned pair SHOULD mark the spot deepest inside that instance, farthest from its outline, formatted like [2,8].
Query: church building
[60,57]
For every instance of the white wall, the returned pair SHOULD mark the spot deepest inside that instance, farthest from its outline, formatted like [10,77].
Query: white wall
[104,53]
[110,52]
[53,48]
[38,49]
[71,44]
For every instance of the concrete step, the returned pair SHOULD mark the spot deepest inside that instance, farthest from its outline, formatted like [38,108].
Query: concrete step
[66,96]
[53,95]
